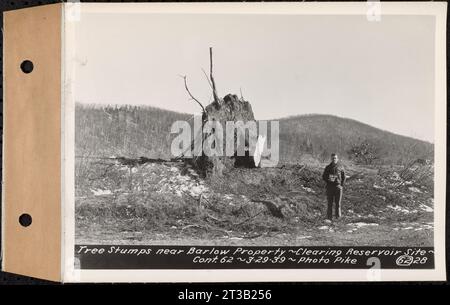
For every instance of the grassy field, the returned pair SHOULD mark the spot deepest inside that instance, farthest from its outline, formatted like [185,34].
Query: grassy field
[384,204]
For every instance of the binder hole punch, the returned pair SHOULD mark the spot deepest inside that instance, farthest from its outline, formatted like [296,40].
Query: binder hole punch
[26,66]
[25,220]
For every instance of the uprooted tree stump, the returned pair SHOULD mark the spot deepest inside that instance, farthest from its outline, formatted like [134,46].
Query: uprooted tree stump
[229,109]
[233,109]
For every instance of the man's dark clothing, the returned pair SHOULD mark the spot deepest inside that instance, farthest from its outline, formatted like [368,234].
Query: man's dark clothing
[334,176]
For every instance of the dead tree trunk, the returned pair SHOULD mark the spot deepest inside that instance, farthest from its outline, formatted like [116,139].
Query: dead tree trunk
[230,108]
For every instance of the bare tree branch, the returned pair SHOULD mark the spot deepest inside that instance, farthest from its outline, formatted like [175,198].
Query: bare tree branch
[190,94]
[216,96]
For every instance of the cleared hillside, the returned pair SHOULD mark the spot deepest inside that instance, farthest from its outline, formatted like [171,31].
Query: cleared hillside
[137,201]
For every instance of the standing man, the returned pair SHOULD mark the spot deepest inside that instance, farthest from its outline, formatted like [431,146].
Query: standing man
[334,176]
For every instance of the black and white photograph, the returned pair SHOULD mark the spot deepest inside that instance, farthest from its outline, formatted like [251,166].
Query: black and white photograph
[288,137]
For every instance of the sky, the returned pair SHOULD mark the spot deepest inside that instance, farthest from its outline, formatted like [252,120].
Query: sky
[379,73]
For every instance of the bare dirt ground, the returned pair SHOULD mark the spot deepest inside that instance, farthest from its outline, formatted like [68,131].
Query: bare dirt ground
[170,204]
